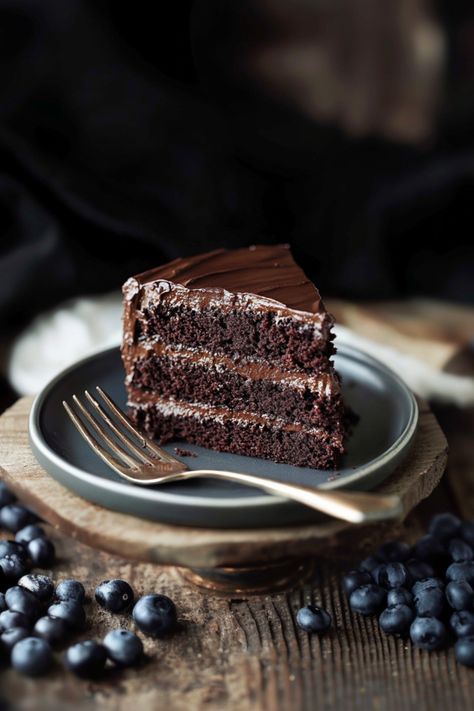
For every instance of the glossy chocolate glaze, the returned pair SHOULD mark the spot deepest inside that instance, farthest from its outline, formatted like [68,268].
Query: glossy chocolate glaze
[268,271]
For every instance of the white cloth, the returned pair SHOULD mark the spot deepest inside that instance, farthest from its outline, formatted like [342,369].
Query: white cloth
[84,326]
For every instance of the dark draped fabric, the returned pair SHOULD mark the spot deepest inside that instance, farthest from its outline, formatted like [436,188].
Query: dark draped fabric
[115,156]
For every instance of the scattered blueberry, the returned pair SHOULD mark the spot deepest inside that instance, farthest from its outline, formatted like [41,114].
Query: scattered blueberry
[13,517]
[460,596]
[31,656]
[464,651]
[459,550]
[467,532]
[459,571]
[429,602]
[313,619]
[13,635]
[52,629]
[123,647]
[13,567]
[394,552]
[9,619]
[392,575]
[29,533]
[427,584]
[369,564]
[114,595]
[41,586]
[396,619]
[155,615]
[19,599]
[462,623]
[428,633]
[3,604]
[368,599]
[86,659]
[419,569]
[71,612]
[41,552]
[354,579]
[71,590]
[12,547]
[6,496]
[399,596]
[444,526]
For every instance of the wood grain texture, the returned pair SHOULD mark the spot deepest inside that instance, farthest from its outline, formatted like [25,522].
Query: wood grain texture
[197,547]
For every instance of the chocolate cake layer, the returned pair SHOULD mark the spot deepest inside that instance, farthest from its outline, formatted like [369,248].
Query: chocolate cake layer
[232,350]
[240,433]
[316,401]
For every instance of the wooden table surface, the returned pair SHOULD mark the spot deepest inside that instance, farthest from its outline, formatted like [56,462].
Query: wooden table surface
[235,653]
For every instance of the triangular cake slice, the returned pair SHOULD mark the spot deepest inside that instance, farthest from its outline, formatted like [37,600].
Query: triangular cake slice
[231,350]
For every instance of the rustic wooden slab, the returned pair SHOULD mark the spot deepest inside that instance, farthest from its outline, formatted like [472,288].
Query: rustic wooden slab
[196,547]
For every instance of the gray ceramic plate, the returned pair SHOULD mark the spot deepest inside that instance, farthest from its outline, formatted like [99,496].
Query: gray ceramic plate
[381,439]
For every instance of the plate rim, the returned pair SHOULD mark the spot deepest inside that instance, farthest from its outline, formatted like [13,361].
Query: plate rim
[43,452]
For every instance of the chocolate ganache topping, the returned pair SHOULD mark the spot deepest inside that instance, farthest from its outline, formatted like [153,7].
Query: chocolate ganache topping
[267,271]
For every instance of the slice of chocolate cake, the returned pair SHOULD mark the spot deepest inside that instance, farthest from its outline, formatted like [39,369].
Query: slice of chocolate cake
[232,350]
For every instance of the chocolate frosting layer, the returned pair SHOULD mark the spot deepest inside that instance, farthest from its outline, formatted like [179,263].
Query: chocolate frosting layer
[268,271]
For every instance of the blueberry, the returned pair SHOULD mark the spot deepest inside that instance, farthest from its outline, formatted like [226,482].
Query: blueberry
[428,633]
[9,619]
[6,496]
[41,586]
[12,547]
[459,550]
[354,579]
[444,526]
[86,659]
[71,612]
[427,584]
[3,604]
[429,549]
[52,629]
[155,615]
[13,567]
[29,533]
[394,552]
[71,590]
[313,619]
[31,656]
[369,564]
[13,635]
[464,651]
[467,532]
[41,552]
[114,595]
[462,623]
[123,647]
[459,571]
[399,596]
[13,517]
[368,599]
[392,575]
[396,619]
[429,602]
[460,596]
[419,569]
[20,600]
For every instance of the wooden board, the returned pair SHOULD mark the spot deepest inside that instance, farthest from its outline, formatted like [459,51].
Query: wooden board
[196,547]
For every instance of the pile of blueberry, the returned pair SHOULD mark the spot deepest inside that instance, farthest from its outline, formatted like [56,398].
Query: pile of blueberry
[36,616]
[425,591]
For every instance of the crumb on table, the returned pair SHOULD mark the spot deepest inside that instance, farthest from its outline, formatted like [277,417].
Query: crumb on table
[184,452]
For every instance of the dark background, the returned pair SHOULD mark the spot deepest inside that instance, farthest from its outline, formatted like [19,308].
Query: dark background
[128,137]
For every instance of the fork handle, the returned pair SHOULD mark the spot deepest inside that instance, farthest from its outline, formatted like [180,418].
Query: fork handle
[351,506]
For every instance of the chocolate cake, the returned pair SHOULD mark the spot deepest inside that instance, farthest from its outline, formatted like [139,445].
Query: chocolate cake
[231,350]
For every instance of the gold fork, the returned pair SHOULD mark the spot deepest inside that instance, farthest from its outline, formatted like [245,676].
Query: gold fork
[141,461]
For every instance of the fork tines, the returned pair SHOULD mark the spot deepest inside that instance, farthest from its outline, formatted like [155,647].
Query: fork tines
[105,429]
